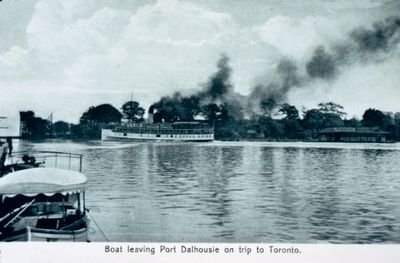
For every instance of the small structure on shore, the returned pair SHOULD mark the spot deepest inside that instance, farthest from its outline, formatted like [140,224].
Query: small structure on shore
[352,134]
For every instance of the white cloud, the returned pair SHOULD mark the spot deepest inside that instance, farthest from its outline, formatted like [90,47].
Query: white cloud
[161,47]
[15,64]
[75,38]
[60,40]
[179,23]
[297,37]
[87,52]
[170,45]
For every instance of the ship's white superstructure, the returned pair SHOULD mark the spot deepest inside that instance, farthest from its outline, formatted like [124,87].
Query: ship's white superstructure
[177,131]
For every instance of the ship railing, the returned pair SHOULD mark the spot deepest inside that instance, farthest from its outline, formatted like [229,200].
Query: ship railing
[63,160]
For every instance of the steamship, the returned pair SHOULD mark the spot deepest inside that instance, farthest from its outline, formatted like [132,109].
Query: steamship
[176,131]
[193,131]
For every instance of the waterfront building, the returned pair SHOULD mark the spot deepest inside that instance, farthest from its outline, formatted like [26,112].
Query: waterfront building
[352,134]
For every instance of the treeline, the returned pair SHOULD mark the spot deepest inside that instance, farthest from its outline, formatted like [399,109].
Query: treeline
[273,122]
[285,122]
[90,123]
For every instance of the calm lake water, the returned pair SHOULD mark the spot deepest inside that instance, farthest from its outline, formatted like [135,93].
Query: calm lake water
[240,191]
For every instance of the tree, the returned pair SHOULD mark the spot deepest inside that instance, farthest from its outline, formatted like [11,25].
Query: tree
[270,127]
[289,111]
[353,122]
[332,120]
[177,108]
[332,108]
[86,116]
[61,127]
[327,115]
[89,130]
[190,107]
[397,126]
[34,127]
[94,119]
[291,121]
[313,120]
[166,109]
[132,111]
[211,112]
[104,113]
[373,118]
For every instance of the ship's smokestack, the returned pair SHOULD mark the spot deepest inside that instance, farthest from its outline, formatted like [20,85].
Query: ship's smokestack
[150,118]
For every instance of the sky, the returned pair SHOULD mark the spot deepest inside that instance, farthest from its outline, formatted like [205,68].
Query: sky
[63,56]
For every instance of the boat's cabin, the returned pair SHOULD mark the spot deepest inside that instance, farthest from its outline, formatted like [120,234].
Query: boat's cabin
[58,211]
[45,198]
[43,204]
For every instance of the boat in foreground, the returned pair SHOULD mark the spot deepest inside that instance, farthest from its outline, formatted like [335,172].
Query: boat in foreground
[39,203]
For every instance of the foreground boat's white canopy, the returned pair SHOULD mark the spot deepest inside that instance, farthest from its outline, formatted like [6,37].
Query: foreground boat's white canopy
[48,181]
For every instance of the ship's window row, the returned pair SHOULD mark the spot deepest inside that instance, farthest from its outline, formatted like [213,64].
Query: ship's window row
[162,131]
[179,136]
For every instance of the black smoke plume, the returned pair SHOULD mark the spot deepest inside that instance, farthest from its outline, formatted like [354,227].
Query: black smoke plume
[219,84]
[322,64]
[210,101]
[326,62]
[362,45]
[286,76]
[383,36]
[217,97]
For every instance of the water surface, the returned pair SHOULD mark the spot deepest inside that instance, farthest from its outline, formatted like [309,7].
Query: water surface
[241,191]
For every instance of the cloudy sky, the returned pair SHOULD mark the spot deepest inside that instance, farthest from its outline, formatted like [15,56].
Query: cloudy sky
[62,56]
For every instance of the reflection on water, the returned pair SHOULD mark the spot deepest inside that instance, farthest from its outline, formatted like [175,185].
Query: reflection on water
[242,192]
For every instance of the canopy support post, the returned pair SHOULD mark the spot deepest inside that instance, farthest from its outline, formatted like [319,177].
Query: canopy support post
[84,203]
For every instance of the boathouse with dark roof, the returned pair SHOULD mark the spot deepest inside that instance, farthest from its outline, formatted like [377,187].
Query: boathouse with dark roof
[352,134]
